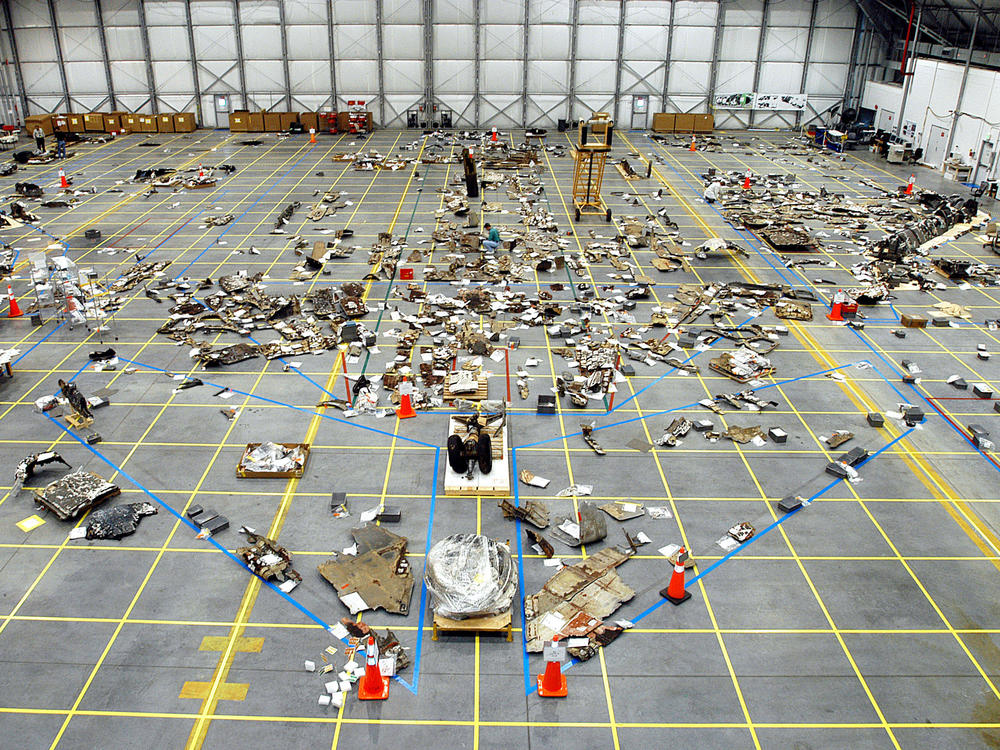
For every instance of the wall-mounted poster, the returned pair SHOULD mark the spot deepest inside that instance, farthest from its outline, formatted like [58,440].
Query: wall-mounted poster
[734,101]
[780,101]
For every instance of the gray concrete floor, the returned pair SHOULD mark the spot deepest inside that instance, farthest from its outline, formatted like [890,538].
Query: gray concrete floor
[868,620]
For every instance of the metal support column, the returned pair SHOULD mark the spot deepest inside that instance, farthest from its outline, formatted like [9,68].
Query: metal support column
[151,81]
[195,76]
[857,45]
[429,103]
[476,63]
[381,68]
[713,73]
[102,36]
[59,56]
[284,56]
[666,61]
[908,64]
[619,60]
[574,37]
[333,55]
[961,89]
[524,67]
[240,62]
[808,54]
[17,58]
[761,39]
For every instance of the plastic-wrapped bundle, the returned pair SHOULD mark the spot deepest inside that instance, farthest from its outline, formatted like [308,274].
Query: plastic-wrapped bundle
[470,575]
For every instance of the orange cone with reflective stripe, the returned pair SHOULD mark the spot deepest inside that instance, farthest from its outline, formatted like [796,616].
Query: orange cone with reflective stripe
[494,136]
[675,592]
[909,186]
[63,182]
[693,147]
[14,311]
[373,686]
[405,410]
[552,682]
[746,180]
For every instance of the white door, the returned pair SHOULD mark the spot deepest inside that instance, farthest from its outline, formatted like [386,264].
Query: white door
[886,120]
[934,145]
[984,162]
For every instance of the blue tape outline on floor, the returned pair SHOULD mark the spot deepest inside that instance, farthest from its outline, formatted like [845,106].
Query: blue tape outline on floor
[728,556]
[305,610]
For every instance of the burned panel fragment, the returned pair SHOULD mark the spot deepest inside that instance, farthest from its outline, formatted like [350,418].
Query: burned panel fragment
[378,577]
[75,494]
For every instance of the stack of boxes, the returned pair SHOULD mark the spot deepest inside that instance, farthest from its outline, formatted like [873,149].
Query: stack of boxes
[243,121]
[669,122]
[112,122]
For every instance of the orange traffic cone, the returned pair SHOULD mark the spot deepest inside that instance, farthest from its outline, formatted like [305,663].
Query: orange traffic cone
[63,182]
[675,592]
[312,135]
[746,180]
[15,310]
[552,683]
[693,146]
[405,410]
[373,686]
[909,186]
[201,171]
[494,136]
[837,311]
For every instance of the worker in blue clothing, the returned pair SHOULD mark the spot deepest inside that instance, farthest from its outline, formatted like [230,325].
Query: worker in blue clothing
[492,241]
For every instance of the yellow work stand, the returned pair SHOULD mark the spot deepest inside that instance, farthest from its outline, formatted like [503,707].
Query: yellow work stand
[592,148]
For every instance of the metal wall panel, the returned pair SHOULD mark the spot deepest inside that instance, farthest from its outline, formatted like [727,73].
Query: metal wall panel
[620,48]
[168,43]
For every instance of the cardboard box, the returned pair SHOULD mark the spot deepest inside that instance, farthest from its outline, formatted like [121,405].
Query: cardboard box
[309,120]
[684,123]
[256,122]
[704,123]
[45,121]
[239,121]
[147,124]
[184,122]
[664,122]
[75,124]
[130,122]
[165,123]
[94,122]
[112,123]
[288,118]
[60,123]
[343,121]
[913,321]
[272,122]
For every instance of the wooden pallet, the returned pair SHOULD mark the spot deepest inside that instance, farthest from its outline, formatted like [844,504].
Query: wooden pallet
[626,175]
[494,484]
[480,394]
[500,623]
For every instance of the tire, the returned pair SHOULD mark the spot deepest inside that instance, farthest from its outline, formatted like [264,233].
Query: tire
[577,215]
[485,449]
[458,462]
[607,216]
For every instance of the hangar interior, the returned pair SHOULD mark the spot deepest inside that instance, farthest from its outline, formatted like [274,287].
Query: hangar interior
[522,373]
